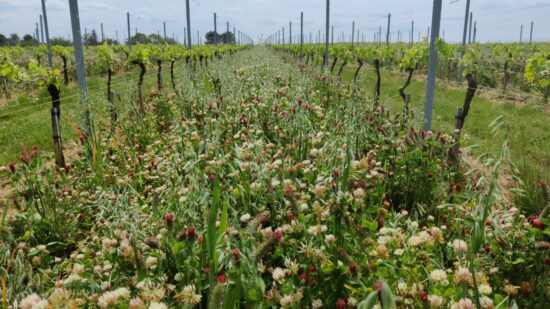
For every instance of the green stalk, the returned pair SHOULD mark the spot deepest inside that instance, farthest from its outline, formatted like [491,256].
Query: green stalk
[211,235]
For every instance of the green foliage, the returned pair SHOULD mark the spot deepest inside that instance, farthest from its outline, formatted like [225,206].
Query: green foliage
[416,56]
[537,71]
[107,58]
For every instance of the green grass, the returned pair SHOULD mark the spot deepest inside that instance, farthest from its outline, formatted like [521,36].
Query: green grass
[528,126]
[27,122]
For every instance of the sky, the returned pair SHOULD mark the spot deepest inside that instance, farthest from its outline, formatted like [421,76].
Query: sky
[497,20]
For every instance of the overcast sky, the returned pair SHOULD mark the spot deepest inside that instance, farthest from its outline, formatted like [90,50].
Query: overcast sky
[497,20]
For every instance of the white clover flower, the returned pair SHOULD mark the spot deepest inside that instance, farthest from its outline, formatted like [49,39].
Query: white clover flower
[151,261]
[317,304]
[72,279]
[330,238]
[485,289]
[78,269]
[245,218]
[438,275]
[33,301]
[189,296]
[156,305]
[435,301]
[286,301]
[465,303]
[486,302]
[460,246]
[278,274]
[317,229]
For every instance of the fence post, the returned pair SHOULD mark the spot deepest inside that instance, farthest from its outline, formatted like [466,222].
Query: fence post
[412,32]
[129,33]
[531,34]
[352,32]
[521,35]
[327,33]
[189,44]
[470,30]
[388,32]
[41,30]
[475,32]
[301,36]
[430,87]
[80,71]
[459,77]
[290,32]
[47,34]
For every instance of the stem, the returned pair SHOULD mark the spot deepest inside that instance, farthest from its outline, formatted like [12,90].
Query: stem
[342,67]
[333,64]
[378,79]
[470,93]
[65,70]
[406,97]
[357,74]
[172,75]
[109,78]
[140,88]
[6,89]
[159,75]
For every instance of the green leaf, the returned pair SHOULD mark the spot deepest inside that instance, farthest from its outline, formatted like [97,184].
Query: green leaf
[369,302]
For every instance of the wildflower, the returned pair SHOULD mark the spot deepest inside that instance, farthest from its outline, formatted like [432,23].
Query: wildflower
[317,229]
[278,274]
[151,262]
[189,296]
[136,303]
[485,289]
[78,269]
[286,301]
[317,304]
[169,218]
[460,246]
[438,276]
[245,218]
[352,267]
[11,167]
[156,305]
[191,232]
[465,303]
[341,304]
[435,301]
[292,266]
[463,275]
[330,238]
[486,302]
[511,290]
[33,301]
[221,279]
[236,253]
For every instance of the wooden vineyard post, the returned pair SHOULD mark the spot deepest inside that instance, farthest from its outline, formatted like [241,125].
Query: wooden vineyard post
[455,151]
